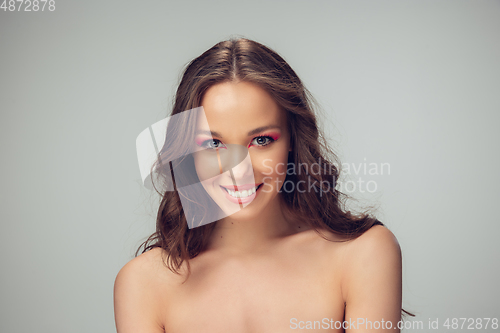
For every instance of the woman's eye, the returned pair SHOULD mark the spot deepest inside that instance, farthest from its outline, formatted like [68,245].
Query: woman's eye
[212,144]
[262,141]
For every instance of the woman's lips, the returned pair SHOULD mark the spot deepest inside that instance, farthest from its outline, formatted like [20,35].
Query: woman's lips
[241,200]
[240,187]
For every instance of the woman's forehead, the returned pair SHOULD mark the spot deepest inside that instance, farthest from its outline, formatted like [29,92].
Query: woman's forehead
[240,106]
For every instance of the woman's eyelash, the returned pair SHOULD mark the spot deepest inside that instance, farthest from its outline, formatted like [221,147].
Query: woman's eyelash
[212,143]
[271,140]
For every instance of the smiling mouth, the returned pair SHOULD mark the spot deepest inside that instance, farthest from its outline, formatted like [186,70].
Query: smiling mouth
[242,193]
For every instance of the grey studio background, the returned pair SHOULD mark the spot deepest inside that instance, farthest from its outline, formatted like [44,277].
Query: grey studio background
[413,84]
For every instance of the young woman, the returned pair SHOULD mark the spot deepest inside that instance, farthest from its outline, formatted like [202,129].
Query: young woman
[282,254]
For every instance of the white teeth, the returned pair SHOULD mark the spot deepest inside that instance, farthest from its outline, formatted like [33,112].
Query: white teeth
[242,194]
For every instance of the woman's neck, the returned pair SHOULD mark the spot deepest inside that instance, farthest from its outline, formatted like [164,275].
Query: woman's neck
[239,234]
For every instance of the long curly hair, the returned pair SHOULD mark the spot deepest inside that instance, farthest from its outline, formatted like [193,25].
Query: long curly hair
[323,208]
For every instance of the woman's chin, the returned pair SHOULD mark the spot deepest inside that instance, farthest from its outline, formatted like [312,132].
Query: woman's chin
[251,211]
[245,214]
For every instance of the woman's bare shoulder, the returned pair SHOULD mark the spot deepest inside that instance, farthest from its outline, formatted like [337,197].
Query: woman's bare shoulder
[375,241]
[376,238]
[322,239]
[321,245]
[141,265]
[378,244]
[136,302]
[150,267]
[371,260]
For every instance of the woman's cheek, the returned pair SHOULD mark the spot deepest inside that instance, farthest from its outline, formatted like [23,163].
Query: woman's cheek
[200,170]
[271,168]
[281,168]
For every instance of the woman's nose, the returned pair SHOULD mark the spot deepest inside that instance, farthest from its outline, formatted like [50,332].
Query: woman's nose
[243,171]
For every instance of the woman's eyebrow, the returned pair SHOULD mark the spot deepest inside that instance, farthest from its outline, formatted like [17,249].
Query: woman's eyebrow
[252,132]
[210,133]
[262,128]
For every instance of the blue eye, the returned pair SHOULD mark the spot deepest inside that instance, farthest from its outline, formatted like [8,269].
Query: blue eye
[262,141]
[212,144]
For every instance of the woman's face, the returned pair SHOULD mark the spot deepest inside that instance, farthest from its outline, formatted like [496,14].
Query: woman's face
[242,117]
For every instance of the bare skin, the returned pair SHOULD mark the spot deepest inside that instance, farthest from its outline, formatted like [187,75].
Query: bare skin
[257,292]
[262,271]
[300,276]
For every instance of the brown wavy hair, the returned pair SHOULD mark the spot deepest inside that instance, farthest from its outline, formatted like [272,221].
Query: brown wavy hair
[246,60]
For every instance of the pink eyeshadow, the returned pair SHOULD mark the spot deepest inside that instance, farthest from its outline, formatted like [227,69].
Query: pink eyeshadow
[200,140]
[273,135]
